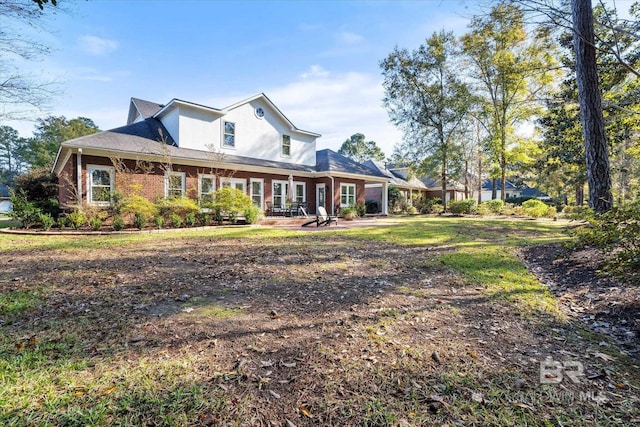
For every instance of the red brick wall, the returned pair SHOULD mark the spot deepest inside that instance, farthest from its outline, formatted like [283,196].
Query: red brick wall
[147,179]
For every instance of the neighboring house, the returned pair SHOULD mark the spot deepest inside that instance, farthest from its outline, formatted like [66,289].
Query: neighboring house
[454,190]
[5,202]
[410,187]
[487,189]
[534,193]
[183,149]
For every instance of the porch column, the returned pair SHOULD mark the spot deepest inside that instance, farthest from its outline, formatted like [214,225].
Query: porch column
[79,172]
[385,198]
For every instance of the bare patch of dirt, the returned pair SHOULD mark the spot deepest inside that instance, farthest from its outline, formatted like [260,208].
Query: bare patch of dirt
[606,303]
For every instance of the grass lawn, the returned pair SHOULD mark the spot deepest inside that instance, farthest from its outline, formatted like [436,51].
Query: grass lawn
[6,222]
[425,321]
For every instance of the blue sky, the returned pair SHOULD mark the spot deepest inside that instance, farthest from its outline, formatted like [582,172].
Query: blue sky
[317,60]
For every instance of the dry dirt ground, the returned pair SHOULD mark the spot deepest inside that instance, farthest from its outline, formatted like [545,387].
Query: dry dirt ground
[317,329]
[607,304]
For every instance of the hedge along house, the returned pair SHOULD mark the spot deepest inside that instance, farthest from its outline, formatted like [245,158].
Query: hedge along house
[183,149]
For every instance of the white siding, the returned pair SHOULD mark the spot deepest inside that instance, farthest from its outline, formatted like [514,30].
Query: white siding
[170,121]
[255,137]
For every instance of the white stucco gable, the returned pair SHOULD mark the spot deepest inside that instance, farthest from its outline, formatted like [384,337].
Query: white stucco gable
[254,127]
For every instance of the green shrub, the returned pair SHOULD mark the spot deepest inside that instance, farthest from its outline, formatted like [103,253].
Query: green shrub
[617,232]
[158,221]
[95,224]
[536,208]
[218,216]
[23,210]
[349,212]
[372,207]
[230,202]
[190,219]
[179,206]
[139,220]
[463,207]
[411,210]
[437,209]
[395,198]
[493,206]
[361,209]
[46,220]
[61,223]
[203,218]
[519,200]
[41,188]
[252,214]
[137,204]
[176,220]
[117,224]
[76,220]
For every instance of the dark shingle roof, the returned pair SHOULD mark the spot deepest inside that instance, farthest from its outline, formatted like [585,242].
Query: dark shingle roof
[146,108]
[395,177]
[144,137]
[487,184]
[4,191]
[330,161]
[533,192]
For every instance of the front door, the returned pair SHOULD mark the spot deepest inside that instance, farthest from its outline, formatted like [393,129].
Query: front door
[321,196]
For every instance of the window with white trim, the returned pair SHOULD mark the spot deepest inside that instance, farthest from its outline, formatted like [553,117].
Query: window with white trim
[229,135]
[285,150]
[100,184]
[237,183]
[174,185]
[299,192]
[206,187]
[256,188]
[347,195]
[279,193]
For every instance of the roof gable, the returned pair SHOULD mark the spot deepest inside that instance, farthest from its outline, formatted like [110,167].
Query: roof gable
[330,161]
[142,108]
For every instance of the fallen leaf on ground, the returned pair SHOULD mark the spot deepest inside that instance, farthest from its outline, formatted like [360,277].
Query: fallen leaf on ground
[305,411]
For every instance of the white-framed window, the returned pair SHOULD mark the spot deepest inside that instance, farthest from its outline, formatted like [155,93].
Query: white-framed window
[174,185]
[206,187]
[347,195]
[100,184]
[256,190]
[229,135]
[239,183]
[285,150]
[280,191]
[299,192]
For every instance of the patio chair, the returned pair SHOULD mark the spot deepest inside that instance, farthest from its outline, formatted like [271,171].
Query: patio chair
[324,218]
[315,220]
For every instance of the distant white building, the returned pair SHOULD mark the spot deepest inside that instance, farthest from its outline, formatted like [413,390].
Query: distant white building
[487,190]
[5,202]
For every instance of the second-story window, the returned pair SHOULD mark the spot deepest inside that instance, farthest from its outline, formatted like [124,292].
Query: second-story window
[229,138]
[286,146]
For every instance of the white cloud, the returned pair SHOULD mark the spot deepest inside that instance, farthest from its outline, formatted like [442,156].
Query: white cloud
[337,105]
[96,46]
[346,37]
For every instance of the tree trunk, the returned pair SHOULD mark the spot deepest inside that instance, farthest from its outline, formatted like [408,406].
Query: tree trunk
[597,154]
[580,194]
[466,178]
[443,179]
[494,188]
[479,178]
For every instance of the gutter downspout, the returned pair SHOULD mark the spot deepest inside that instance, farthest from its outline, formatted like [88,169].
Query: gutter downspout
[333,199]
[79,171]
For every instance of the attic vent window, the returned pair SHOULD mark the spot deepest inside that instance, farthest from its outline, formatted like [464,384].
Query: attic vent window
[259,112]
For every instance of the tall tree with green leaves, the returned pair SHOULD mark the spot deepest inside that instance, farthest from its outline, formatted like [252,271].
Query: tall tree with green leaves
[50,133]
[358,149]
[12,150]
[511,70]
[426,98]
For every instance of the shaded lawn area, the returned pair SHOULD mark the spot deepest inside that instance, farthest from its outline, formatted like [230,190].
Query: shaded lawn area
[427,321]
